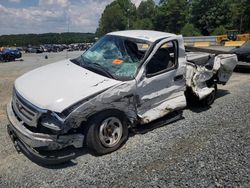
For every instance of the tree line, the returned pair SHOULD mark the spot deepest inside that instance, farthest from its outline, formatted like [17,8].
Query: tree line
[188,17]
[46,38]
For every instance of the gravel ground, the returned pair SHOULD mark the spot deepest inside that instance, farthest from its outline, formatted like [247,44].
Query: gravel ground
[208,148]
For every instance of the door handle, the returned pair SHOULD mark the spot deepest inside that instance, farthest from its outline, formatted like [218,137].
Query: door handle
[178,77]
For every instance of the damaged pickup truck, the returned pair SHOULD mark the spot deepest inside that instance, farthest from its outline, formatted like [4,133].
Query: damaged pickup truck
[125,79]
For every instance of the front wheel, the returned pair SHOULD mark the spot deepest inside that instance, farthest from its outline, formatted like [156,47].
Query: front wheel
[106,132]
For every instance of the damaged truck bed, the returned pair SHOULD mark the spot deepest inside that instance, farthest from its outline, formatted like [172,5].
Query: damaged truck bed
[125,79]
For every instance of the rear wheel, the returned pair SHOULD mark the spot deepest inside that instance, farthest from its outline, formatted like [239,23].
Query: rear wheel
[106,132]
[208,100]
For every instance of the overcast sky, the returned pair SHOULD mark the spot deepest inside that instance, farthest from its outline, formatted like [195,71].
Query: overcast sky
[43,16]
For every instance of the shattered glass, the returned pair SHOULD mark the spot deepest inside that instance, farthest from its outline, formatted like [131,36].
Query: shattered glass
[117,55]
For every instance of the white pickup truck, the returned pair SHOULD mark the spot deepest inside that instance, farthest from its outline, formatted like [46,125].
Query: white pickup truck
[125,79]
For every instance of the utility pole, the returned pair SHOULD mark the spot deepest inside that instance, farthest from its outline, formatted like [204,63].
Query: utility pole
[67,31]
[128,17]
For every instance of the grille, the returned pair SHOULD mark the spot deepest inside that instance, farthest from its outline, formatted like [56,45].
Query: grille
[24,110]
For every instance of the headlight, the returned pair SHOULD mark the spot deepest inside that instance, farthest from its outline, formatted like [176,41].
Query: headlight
[51,122]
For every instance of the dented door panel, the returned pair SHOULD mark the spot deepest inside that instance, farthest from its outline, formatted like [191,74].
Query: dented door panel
[162,93]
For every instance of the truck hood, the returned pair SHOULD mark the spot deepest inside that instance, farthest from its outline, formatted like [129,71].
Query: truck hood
[57,86]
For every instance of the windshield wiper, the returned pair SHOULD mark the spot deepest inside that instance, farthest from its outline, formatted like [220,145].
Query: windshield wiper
[88,64]
[99,67]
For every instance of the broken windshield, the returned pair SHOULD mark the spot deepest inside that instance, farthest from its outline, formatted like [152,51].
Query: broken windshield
[115,56]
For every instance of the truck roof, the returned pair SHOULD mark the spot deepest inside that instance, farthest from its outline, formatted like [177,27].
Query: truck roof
[148,35]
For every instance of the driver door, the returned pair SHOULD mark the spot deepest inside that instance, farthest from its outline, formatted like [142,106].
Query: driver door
[161,82]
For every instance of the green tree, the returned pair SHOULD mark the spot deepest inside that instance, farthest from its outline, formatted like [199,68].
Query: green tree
[190,17]
[145,14]
[245,19]
[116,16]
[189,30]
[219,31]
[239,15]
[171,15]
[146,9]
[145,23]
[209,14]
[46,38]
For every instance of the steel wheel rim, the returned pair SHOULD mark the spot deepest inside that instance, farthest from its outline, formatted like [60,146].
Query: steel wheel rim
[110,132]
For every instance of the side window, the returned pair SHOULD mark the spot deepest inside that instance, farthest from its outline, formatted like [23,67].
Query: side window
[164,59]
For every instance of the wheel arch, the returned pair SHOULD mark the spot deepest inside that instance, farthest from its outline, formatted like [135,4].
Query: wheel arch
[107,110]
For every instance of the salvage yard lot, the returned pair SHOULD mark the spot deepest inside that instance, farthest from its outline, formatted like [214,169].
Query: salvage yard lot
[208,148]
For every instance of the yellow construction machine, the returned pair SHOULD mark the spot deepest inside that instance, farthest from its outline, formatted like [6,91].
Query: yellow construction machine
[232,35]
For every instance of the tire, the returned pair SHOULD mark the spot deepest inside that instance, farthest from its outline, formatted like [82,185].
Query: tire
[106,132]
[191,98]
[209,100]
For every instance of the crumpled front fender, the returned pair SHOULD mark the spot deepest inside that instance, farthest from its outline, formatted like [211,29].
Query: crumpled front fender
[120,97]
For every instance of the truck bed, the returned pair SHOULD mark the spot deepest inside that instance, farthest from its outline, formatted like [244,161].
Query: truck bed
[198,58]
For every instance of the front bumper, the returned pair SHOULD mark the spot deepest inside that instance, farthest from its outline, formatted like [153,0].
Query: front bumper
[40,140]
[31,143]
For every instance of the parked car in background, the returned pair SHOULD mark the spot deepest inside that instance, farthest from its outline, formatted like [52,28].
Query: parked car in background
[8,54]
[32,49]
[243,54]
